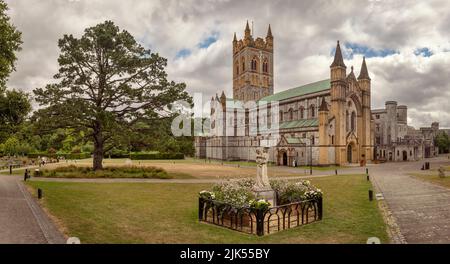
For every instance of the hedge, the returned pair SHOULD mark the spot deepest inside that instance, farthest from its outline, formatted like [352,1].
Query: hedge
[133,156]
[157,156]
[69,156]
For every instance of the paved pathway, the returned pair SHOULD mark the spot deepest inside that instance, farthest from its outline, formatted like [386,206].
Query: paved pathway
[22,221]
[421,209]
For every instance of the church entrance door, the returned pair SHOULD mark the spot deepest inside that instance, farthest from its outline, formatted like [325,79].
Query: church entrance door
[285,159]
[349,153]
[405,155]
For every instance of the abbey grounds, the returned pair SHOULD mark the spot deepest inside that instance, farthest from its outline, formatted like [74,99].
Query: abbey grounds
[327,122]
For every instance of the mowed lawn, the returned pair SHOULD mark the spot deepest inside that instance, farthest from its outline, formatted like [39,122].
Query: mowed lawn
[192,168]
[434,178]
[167,213]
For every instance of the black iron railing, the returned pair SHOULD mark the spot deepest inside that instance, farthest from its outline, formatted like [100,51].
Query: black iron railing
[260,221]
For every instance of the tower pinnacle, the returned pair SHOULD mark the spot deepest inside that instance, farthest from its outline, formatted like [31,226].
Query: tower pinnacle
[364,75]
[338,59]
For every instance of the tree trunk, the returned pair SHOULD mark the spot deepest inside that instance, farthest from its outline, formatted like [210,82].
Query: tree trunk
[98,158]
[98,150]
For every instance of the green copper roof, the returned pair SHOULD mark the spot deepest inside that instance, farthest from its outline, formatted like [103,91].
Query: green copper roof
[300,124]
[291,140]
[299,91]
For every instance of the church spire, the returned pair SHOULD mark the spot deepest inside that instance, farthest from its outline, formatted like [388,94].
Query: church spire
[338,59]
[364,75]
[234,38]
[269,32]
[247,30]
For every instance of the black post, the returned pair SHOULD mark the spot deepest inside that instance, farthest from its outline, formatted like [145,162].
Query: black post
[10,169]
[260,222]
[368,177]
[25,176]
[201,206]
[320,208]
[370,195]
[39,193]
[367,171]
[336,172]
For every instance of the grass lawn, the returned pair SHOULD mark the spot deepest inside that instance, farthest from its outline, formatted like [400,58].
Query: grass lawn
[198,169]
[167,213]
[80,172]
[434,178]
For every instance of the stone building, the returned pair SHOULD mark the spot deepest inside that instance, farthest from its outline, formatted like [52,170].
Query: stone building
[327,122]
[396,141]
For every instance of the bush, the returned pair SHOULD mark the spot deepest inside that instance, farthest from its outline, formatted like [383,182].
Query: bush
[240,193]
[156,156]
[108,172]
[69,156]
[291,192]
[237,193]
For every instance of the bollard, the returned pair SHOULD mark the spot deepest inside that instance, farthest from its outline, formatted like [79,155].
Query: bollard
[25,176]
[368,177]
[367,171]
[336,172]
[39,194]
[10,169]
[370,195]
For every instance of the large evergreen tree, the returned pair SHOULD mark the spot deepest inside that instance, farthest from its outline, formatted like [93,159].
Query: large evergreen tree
[10,41]
[106,84]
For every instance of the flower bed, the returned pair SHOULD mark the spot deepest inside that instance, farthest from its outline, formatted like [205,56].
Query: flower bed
[234,205]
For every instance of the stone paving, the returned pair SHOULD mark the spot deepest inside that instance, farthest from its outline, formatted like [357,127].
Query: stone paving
[421,209]
[22,221]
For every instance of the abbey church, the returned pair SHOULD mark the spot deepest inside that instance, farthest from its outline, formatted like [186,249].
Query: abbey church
[327,122]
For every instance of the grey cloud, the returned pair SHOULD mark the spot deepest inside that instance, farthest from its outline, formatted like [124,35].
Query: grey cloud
[305,33]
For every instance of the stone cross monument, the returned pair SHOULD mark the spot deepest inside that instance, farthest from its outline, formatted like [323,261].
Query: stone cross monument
[262,187]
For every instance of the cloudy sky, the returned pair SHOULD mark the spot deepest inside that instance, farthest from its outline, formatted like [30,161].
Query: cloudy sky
[407,43]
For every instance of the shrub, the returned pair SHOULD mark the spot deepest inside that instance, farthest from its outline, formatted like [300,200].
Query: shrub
[156,156]
[108,172]
[237,193]
[70,156]
[240,193]
[260,204]
[291,192]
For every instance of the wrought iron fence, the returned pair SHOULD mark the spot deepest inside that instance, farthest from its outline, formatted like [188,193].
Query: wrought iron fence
[258,221]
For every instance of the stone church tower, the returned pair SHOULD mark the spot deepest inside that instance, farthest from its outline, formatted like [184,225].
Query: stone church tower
[351,109]
[338,100]
[252,66]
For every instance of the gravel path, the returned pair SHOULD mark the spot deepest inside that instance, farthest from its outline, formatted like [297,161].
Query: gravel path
[22,221]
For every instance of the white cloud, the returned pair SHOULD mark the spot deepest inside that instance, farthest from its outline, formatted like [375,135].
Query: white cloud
[305,33]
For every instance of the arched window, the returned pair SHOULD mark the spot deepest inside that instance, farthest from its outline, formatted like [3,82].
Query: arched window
[266,66]
[291,114]
[243,65]
[237,69]
[347,121]
[281,116]
[353,121]
[302,112]
[254,64]
[313,111]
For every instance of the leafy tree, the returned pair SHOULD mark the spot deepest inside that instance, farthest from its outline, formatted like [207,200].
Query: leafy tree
[11,146]
[108,83]
[14,109]
[10,41]
[442,140]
